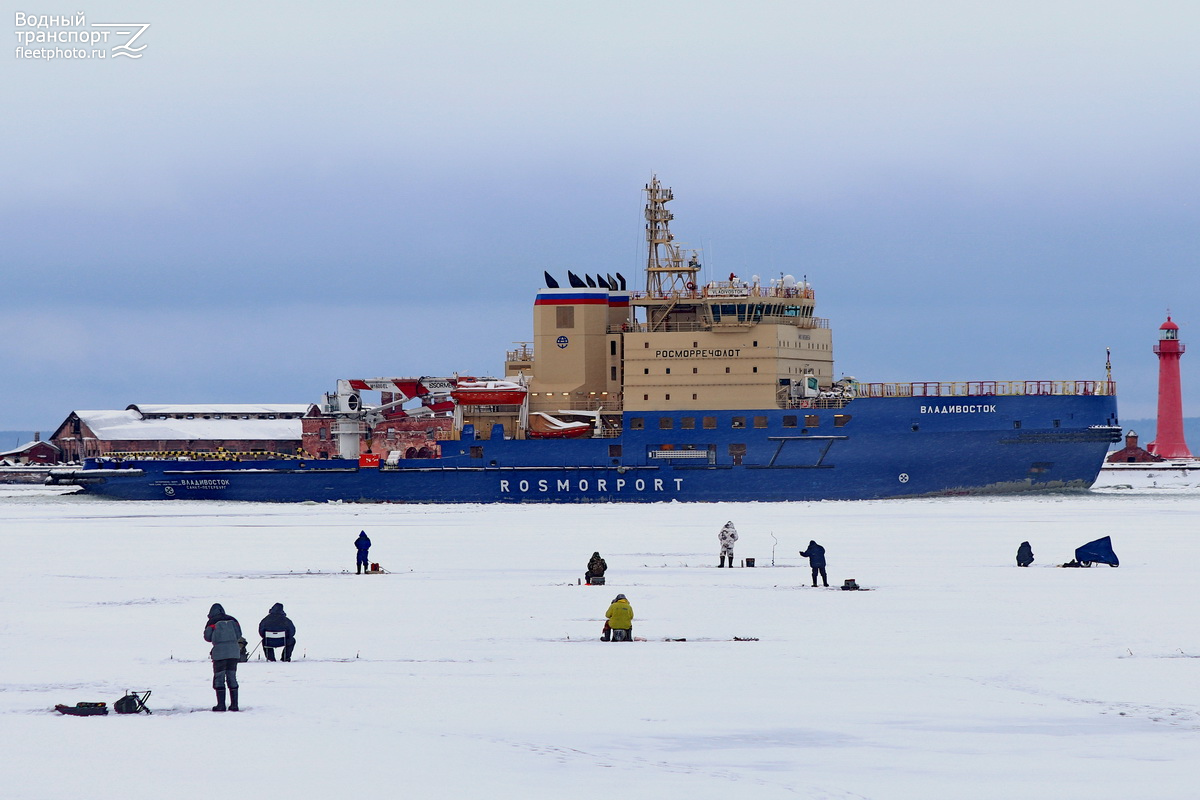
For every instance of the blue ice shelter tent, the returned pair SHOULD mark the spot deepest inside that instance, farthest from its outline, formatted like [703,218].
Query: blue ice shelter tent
[1098,552]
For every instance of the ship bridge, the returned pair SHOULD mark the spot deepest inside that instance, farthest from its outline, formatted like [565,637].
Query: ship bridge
[678,343]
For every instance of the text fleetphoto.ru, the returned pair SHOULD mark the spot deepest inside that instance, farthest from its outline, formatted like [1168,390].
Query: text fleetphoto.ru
[49,37]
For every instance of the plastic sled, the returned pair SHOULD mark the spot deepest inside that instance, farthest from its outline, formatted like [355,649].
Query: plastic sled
[83,709]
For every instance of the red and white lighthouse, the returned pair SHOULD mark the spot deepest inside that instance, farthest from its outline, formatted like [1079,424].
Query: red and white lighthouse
[1168,440]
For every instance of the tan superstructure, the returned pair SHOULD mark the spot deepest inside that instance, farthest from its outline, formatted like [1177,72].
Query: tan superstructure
[728,344]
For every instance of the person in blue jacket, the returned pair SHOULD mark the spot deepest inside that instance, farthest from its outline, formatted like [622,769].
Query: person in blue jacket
[363,544]
[223,631]
[276,630]
[816,559]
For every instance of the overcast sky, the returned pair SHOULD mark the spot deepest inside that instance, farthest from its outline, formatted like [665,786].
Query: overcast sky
[278,195]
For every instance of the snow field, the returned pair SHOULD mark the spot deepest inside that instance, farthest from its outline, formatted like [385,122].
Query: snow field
[475,667]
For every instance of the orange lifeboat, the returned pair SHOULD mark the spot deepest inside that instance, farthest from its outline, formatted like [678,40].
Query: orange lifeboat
[488,393]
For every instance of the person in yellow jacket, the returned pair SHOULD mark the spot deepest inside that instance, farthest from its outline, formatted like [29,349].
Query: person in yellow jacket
[620,620]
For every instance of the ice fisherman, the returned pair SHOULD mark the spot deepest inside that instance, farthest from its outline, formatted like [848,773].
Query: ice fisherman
[1024,555]
[224,632]
[276,630]
[595,568]
[620,620]
[816,559]
[363,543]
[727,537]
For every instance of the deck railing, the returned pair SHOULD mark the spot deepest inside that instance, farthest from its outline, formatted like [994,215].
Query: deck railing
[691,327]
[727,290]
[984,388]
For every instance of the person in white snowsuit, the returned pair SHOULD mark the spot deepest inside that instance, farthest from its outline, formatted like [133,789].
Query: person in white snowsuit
[727,537]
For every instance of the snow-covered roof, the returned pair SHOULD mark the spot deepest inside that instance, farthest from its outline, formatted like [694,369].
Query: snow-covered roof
[27,446]
[221,408]
[129,424]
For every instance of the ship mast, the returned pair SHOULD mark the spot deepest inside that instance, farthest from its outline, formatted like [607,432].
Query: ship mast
[666,274]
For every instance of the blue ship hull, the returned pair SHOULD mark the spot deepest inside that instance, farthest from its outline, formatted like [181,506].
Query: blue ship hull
[882,448]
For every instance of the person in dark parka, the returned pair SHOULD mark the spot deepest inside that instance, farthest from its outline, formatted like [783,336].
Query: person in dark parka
[223,631]
[1024,555]
[816,559]
[363,543]
[276,630]
[595,568]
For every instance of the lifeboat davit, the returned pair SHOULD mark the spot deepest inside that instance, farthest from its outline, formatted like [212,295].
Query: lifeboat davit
[488,393]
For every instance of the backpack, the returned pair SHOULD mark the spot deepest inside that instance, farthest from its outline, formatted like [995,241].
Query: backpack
[132,703]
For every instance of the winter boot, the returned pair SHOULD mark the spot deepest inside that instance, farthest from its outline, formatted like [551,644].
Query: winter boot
[233,706]
[359,570]
[220,706]
[722,564]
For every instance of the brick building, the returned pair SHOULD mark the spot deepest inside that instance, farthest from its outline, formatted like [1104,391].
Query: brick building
[140,428]
[1131,453]
[410,437]
[35,452]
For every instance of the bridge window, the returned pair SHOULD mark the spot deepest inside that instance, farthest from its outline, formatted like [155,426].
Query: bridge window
[811,420]
[760,422]
[789,420]
[665,423]
[637,423]
[687,423]
[710,423]
[840,420]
